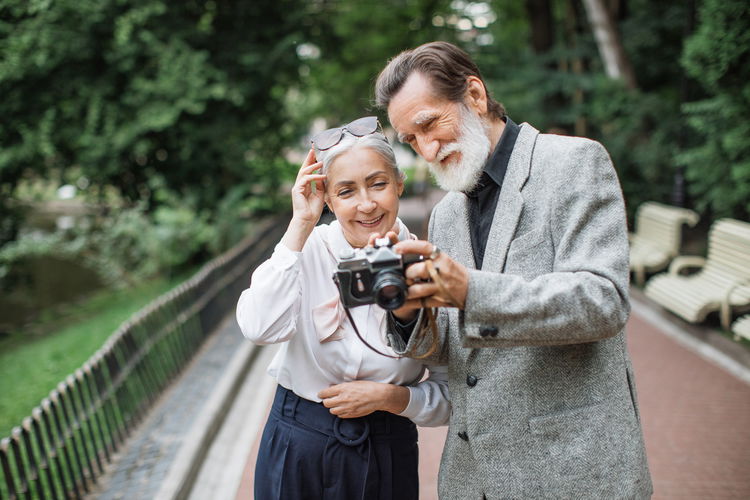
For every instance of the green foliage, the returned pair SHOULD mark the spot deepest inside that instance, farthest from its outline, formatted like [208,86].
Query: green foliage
[565,90]
[131,244]
[129,90]
[355,40]
[718,56]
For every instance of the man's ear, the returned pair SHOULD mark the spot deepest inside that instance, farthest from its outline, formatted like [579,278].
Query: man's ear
[476,95]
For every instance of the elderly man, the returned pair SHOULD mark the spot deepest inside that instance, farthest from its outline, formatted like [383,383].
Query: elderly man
[528,262]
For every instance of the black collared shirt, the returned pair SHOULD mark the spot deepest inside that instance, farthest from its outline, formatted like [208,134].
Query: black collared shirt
[482,203]
[482,200]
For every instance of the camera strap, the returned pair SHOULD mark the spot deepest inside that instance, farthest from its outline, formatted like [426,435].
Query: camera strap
[430,321]
[356,330]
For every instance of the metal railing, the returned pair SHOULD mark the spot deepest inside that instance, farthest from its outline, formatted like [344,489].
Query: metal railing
[63,446]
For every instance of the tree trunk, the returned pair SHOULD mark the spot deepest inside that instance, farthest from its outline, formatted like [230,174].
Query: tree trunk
[616,62]
[573,27]
[542,29]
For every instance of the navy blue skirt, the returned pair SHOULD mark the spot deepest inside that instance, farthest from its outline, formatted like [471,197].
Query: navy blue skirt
[308,453]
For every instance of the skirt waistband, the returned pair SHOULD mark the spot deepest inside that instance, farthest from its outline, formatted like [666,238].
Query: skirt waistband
[348,431]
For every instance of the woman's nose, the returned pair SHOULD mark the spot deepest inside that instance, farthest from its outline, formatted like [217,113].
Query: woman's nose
[366,204]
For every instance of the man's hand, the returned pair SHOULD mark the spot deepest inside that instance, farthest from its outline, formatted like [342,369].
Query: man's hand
[362,397]
[423,291]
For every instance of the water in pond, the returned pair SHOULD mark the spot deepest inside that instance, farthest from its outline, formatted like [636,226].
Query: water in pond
[39,284]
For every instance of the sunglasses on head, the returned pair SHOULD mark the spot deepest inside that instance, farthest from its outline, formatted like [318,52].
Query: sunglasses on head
[359,127]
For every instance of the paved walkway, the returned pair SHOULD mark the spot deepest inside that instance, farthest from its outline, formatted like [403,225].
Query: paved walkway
[139,469]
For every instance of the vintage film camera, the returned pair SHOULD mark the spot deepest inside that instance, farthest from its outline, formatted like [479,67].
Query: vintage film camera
[373,275]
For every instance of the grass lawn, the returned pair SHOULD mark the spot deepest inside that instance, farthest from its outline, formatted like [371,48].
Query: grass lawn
[32,364]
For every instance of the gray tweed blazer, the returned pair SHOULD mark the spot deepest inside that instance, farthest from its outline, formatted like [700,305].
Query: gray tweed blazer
[542,389]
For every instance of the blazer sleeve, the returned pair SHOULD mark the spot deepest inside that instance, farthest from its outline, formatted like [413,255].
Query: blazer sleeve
[267,312]
[585,296]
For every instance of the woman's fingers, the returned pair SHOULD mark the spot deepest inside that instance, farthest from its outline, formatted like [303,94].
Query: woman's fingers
[310,158]
[304,182]
[391,235]
[308,169]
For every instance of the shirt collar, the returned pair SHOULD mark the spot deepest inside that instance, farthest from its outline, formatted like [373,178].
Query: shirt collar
[497,163]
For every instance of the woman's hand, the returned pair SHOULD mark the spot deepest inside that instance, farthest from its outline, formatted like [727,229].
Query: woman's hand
[362,397]
[307,203]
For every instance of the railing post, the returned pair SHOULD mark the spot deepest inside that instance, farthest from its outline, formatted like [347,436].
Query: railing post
[45,453]
[5,462]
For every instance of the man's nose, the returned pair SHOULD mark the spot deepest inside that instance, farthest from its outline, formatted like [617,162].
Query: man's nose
[428,148]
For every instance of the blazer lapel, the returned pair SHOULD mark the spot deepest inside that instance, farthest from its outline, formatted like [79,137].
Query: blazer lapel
[460,221]
[510,202]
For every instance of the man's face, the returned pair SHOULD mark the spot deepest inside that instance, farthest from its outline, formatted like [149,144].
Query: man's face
[450,136]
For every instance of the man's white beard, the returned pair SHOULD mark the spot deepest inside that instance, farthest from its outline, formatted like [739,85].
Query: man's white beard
[474,146]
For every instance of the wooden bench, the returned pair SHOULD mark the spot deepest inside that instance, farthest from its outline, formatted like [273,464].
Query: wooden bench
[657,237]
[722,283]
[741,328]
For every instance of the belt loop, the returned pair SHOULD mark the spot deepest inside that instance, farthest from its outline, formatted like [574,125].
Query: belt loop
[291,400]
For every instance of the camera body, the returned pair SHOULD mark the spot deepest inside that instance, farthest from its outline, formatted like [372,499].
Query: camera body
[373,275]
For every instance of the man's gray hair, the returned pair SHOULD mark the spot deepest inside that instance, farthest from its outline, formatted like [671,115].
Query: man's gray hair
[446,67]
[375,141]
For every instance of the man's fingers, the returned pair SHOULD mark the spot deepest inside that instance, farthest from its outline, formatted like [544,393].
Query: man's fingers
[420,247]
[420,290]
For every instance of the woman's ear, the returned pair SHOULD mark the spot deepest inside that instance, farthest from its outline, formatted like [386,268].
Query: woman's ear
[400,187]
[476,95]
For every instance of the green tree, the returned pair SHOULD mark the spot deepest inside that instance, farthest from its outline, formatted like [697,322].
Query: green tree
[718,57]
[563,88]
[352,41]
[127,91]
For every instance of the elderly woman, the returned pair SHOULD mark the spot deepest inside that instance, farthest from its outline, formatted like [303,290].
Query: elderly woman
[342,424]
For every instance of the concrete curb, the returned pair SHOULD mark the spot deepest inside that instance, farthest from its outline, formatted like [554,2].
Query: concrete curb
[183,472]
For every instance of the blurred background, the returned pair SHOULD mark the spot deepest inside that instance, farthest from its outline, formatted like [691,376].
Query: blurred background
[140,138]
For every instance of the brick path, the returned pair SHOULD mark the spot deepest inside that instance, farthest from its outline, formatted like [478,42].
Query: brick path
[695,419]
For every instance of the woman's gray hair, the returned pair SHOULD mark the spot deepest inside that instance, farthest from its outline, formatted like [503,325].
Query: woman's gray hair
[375,141]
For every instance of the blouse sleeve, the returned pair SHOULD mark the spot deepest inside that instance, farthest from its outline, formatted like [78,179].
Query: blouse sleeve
[267,312]
[429,404]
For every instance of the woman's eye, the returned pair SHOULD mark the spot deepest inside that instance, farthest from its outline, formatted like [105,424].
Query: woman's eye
[380,185]
[344,193]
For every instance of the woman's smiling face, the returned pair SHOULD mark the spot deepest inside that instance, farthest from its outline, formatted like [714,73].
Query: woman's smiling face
[362,191]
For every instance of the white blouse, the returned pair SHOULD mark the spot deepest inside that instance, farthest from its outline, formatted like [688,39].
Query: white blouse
[292,292]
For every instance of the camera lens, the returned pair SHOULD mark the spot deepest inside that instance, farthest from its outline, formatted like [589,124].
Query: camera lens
[389,289]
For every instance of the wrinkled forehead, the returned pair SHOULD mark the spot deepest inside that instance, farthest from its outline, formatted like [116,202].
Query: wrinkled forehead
[415,103]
